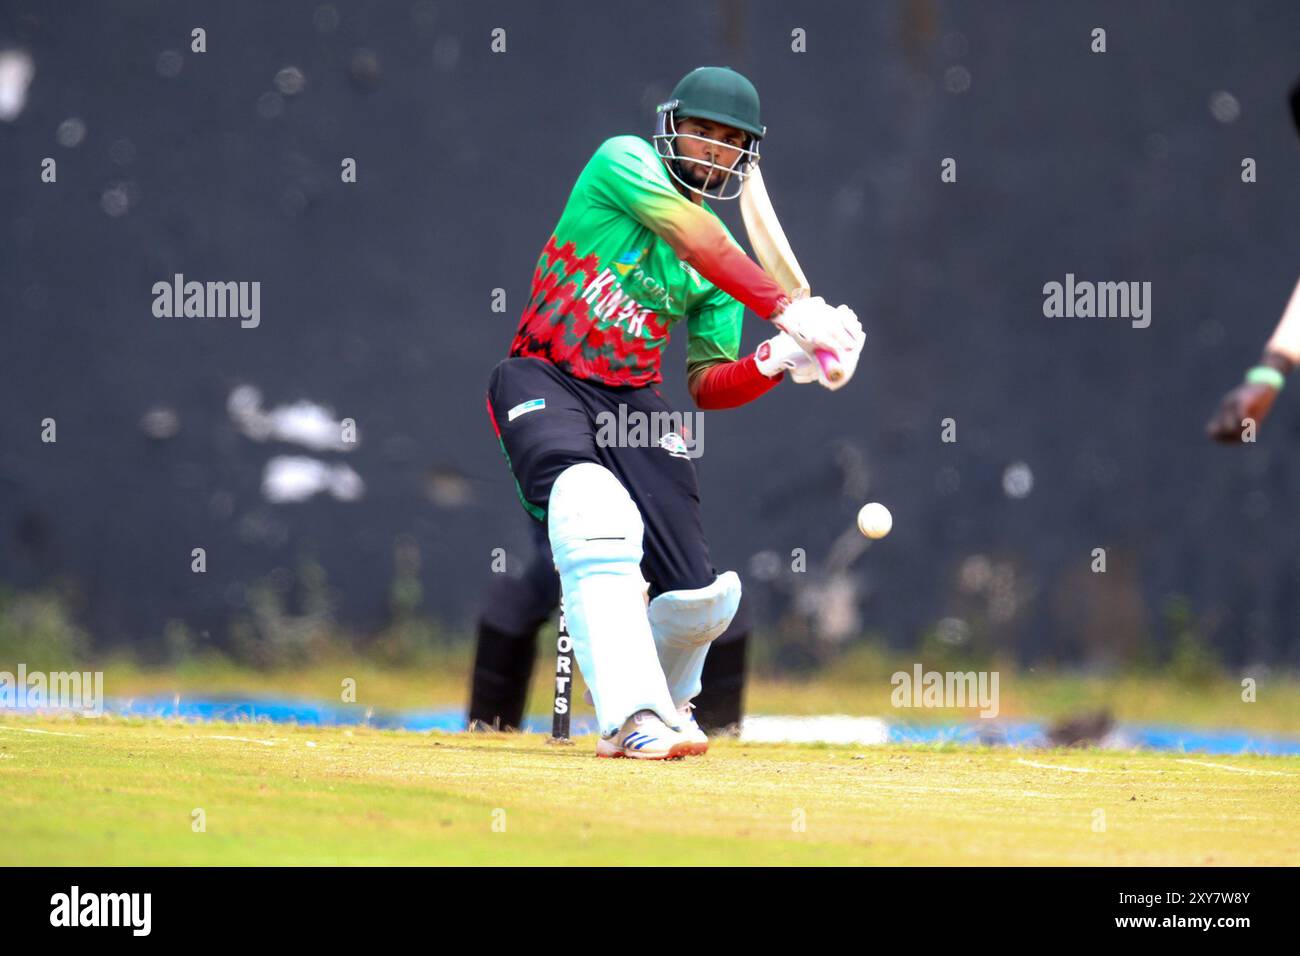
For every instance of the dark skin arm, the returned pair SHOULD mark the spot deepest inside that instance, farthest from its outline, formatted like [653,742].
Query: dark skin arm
[1253,401]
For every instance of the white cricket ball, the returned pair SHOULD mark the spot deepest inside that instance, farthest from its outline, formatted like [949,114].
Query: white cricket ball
[874,520]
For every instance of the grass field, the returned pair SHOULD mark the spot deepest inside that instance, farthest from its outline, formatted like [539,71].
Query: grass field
[77,791]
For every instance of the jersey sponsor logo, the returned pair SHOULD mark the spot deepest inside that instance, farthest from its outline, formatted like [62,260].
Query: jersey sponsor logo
[628,267]
[627,260]
[523,408]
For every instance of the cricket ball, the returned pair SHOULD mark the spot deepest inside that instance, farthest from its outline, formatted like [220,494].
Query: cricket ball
[874,520]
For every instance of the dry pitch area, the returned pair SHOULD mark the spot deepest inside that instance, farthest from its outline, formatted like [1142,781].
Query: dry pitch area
[112,791]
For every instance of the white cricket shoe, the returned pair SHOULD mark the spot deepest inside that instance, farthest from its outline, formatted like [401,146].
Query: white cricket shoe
[644,736]
[691,730]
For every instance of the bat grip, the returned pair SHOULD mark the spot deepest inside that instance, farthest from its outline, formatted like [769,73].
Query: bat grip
[830,365]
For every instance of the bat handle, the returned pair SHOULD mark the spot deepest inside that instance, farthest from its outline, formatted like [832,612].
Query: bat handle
[830,365]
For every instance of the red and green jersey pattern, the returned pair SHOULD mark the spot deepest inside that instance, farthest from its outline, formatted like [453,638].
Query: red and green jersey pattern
[610,283]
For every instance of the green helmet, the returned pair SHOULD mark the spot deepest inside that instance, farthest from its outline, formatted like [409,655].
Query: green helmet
[720,94]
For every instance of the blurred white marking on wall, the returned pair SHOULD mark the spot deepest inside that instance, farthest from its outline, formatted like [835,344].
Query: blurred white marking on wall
[1017,480]
[1225,107]
[290,478]
[302,423]
[16,72]
[161,422]
[71,132]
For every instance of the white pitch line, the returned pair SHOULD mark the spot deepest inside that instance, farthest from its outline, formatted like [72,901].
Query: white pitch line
[1224,766]
[1052,766]
[33,730]
[246,740]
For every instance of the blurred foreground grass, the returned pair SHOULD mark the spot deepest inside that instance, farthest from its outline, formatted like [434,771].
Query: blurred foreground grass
[131,792]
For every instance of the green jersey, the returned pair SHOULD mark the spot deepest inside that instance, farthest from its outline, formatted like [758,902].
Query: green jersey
[609,284]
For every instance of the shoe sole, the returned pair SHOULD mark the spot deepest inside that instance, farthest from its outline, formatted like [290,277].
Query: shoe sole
[676,752]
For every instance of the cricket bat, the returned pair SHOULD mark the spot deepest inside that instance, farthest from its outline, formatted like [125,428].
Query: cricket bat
[772,249]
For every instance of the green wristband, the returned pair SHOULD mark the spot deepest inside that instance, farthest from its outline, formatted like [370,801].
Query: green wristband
[1263,375]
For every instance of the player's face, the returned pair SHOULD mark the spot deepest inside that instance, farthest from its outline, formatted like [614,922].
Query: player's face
[725,149]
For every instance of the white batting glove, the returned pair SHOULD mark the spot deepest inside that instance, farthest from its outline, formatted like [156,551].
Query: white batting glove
[815,325]
[781,353]
[852,329]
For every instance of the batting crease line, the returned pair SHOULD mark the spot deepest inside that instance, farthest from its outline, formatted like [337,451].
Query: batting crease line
[247,740]
[1222,766]
[33,730]
[1052,766]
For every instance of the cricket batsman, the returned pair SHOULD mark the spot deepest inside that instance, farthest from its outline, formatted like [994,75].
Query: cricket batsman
[637,249]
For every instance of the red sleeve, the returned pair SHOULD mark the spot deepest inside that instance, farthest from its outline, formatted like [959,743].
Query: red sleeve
[730,384]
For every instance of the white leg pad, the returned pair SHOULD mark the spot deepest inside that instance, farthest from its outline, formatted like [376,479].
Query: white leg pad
[596,538]
[684,624]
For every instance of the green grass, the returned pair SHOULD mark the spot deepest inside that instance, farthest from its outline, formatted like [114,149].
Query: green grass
[77,791]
